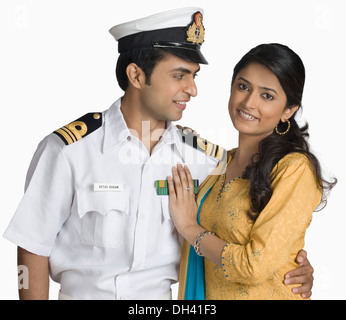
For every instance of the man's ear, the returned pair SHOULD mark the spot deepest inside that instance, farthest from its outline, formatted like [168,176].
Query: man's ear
[135,75]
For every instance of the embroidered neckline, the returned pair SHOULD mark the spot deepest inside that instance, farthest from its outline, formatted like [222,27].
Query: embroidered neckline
[230,155]
[223,185]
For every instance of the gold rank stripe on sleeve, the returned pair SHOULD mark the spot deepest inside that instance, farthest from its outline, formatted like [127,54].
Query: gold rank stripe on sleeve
[162,187]
[67,135]
[80,128]
[210,149]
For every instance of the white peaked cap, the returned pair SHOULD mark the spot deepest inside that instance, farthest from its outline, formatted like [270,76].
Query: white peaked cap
[168,19]
[179,31]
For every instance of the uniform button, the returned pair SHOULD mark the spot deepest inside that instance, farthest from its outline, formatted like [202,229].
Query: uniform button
[96,116]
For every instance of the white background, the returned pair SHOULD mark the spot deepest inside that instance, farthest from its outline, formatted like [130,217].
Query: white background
[57,63]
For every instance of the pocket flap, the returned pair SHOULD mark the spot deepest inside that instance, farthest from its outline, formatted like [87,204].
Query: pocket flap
[101,202]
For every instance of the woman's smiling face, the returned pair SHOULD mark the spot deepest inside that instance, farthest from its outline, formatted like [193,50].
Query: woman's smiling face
[258,101]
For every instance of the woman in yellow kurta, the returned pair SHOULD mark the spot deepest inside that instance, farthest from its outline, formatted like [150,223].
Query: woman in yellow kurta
[259,254]
[251,220]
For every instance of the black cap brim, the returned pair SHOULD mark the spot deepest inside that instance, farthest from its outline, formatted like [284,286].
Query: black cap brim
[187,54]
[174,43]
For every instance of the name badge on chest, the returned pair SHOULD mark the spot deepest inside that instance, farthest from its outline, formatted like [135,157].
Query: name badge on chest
[108,187]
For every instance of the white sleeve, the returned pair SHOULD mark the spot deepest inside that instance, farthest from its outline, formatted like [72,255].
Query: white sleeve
[47,200]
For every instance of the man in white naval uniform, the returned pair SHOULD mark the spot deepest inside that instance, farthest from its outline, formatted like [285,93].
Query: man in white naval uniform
[91,215]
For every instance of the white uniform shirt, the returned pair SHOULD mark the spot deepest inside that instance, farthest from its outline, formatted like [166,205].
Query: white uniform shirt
[105,244]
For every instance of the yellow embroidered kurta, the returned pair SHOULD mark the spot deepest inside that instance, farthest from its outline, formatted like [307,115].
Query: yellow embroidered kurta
[259,253]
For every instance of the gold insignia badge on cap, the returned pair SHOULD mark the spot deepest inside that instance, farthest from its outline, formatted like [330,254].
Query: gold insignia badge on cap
[195,31]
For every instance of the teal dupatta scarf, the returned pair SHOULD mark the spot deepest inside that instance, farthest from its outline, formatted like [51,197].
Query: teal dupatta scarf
[191,276]
[194,289]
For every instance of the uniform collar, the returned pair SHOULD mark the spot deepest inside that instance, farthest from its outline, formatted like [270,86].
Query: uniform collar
[117,131]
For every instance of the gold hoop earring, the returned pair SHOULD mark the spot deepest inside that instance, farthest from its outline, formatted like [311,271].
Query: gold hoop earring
[283,133]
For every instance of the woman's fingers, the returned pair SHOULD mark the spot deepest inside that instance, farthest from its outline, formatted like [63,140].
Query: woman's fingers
[183,178]
[189,179]
[177,182]
[183,181]
[171,189]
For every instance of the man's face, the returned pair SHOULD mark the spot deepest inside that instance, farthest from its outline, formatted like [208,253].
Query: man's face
[172,85]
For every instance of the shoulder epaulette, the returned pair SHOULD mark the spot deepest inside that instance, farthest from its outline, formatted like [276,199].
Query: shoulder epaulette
[203,145]
[80,128]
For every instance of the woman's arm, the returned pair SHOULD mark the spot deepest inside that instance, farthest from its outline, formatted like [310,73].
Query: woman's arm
[280,228]
[184,213]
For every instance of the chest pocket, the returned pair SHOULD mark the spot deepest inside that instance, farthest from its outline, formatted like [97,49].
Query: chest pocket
[103,215]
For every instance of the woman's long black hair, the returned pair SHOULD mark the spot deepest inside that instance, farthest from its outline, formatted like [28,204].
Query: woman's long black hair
[289,69]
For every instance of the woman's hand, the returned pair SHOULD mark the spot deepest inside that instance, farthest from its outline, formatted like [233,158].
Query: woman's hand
[184,214]
[182,202]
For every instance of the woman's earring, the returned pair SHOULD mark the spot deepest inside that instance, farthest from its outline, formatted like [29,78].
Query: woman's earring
[283,133]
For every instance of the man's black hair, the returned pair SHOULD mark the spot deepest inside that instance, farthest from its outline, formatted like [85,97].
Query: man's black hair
[146,59]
